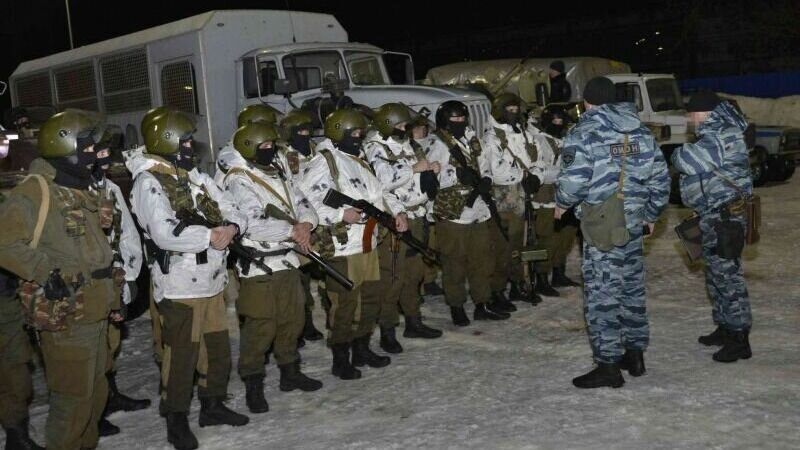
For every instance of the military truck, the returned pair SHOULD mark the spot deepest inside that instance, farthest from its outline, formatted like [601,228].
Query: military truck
[212,65]
[777,150]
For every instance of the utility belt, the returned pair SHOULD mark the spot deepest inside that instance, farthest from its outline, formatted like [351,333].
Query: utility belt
[162,257]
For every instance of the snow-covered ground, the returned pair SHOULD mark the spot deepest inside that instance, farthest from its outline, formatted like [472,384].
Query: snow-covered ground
[508,384]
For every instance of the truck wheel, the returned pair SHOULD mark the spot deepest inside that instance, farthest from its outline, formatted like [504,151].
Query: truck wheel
[759,173]
[787,171]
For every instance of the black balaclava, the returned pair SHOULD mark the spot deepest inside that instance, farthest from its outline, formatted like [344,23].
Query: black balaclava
[399,135]
[74,171]
[457,129]
[512,119]
[265,156]
[301,142]
[351,145]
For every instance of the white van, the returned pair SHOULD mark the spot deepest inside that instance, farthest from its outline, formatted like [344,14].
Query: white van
[213,64]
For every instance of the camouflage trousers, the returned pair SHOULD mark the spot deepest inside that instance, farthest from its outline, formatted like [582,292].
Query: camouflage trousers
[401,276]
[270,309]
[555,237]
[467,257]
[15,353]
[75,361]
[508,265]
[614,300]
[195,339]
[354,313]
[730,304]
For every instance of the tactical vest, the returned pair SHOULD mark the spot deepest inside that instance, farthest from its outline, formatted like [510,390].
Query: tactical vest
[450,202]
[176,185]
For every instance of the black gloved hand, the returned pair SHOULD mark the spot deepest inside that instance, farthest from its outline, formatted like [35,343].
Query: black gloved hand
[531,184]
[467,176]
[55,288]
[429,184]
[485,186]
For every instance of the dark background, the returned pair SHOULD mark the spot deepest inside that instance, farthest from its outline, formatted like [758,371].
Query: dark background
[688,38]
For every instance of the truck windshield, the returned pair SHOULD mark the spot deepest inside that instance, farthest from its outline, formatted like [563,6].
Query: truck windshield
[312,69]
[366,69]
[664,94]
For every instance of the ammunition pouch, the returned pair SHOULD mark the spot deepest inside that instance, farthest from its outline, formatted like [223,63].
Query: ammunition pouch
[730,236]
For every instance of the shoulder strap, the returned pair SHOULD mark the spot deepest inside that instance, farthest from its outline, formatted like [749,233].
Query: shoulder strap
[44,208]
[730,182]
[334,169]
[621,183]
[257,180]
[501,134]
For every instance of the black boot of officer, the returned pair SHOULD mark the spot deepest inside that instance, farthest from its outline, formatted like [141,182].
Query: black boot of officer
[364,356]
[604,375]
[543,286]
[389,342]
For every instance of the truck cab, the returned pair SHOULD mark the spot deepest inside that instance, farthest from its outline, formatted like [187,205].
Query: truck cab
[288,76]
[659,102]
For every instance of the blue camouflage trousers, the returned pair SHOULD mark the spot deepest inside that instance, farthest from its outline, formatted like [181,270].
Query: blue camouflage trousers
[614,300]
[730,303]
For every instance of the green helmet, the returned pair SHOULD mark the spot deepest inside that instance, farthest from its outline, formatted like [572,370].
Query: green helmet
[249,136]
[164,132]
[295,118]
[258,113]
[149,115]
[502,101]
[389,116]
[59,135]
[339,123]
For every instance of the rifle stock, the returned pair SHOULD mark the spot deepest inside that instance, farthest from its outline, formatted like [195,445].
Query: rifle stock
[336,199]
[273,211]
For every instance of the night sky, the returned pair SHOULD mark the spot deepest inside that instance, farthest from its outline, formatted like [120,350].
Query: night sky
[35,28]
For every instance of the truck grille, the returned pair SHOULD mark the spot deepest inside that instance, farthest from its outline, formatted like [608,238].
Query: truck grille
[479,116]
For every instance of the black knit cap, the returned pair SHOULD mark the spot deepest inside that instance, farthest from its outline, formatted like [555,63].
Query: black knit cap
[557,65]
[599,91]
[704,100]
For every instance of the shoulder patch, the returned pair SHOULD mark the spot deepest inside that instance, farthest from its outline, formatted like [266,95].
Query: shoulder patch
[567,156]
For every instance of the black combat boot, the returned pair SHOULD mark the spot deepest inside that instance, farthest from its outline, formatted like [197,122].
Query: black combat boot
[389,342]
[17,437]
[178,432]
[459,316]
[736,346]
[502,303]
[519,293]
[342,367]
[118,401]
[254,394]
[432,289]
[543,286]
[310,332]
[106,428]
[604,375]
[214,412]
[487,312]
[416,329]
[364,356]
[633,363]
[292,378]
[560,278]
[715,339]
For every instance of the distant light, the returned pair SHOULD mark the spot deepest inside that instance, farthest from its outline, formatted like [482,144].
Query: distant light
[657,33]
[660,48]
[188,88]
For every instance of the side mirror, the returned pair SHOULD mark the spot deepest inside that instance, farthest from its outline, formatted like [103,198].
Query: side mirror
[285,86]
[3,87]
[542,98]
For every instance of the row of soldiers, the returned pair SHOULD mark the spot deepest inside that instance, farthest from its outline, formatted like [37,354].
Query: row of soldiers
[264,213]
[276,201]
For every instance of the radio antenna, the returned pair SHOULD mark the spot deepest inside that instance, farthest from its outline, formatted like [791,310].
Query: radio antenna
[291,22]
